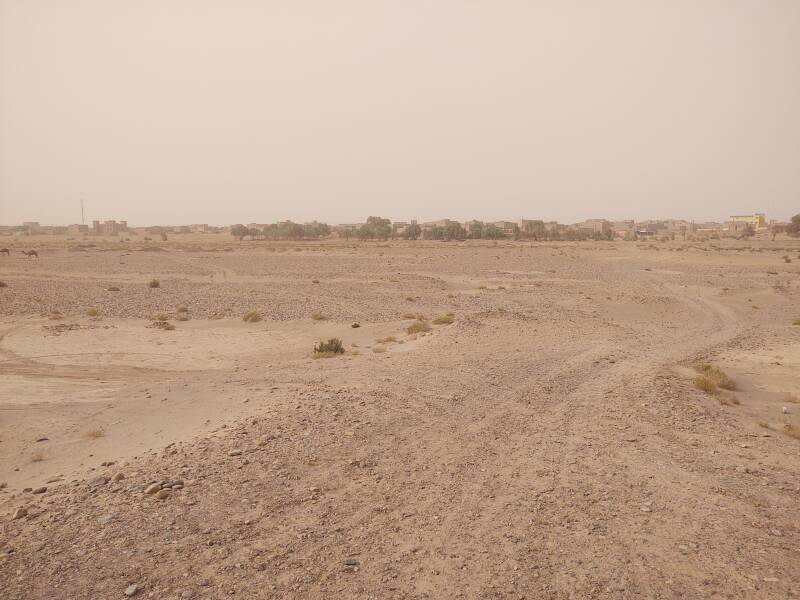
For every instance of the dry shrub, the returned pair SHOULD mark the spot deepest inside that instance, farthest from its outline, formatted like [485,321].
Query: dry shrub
[443,319]
[333,347]
[411,315]
[162,318]
[317,316]
[92,312]
[409,298]
[315,281]
[792,399]
[112,288]
[701,382]
[182,309]
[418,327]
[378,349]
[3,284]
[182,317]
[796,322]
[94,434]
[717,376]
[37,457]
[252,317]
[154,283]
[386,340]
[791,431]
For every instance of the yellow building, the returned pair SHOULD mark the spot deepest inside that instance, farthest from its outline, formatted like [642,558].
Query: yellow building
[757,221]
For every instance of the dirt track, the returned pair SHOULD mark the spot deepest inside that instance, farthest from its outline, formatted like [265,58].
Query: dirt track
[548,443]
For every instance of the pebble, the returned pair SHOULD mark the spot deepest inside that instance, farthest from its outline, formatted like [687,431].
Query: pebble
[351,562]
[102,480]
[163,494]
[646,509]
[20,512]
[131,590]
[235,453]
[187,594]
[152,488]
[40,490]
[118,477]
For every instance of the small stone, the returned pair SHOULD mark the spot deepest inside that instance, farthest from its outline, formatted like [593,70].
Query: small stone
[351,562]
[131,590]
[646,509]
[355,325]
[204,583]
[118,477]
[776,532]
[40,490]
[187,594]
[163,494]
[102,480]
[235,453]
[19,513]
[152,488]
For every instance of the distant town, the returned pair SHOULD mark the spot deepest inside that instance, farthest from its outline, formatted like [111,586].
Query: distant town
[378,228]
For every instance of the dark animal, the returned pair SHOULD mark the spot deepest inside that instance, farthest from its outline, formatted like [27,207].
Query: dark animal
[31,253]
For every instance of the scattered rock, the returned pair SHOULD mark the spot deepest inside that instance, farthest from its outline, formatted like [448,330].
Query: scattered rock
[102,480]
[163,494]
[19,513]
[152,488]
[131,590]
[351,562]
[118,477]
[646,509]
[235,453]
[187,594]
[43,439]
[40,490]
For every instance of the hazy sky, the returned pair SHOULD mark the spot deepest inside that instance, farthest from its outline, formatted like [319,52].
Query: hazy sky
[178,111]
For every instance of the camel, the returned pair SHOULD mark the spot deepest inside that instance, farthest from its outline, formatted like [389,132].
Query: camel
[31,253]
[5,251]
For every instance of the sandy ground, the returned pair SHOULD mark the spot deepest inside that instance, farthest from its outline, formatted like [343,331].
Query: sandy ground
[549,443]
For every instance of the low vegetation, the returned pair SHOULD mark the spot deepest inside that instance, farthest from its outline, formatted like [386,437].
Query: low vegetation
[154,283]
[379,349]
[112,288]
[94,434]
[716,376]
[443,319]
[252,317]
[792,399]
[182,309]
[333,347]
[37,457]
[418,327]
[791,431]
[389,339]
[317,316]
[3,284]
[162,318]
[796,322]
[92,312]
[411,315]
[409,298]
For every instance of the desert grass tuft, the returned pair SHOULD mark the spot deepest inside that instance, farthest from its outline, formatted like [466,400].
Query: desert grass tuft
[182,309]
[3,284]
[418,327]
[317,316]
[154,283]
[162,318]
[717,376]
[791,431]
[792,399]
[94,434]
[796,322]
[443,319]
[252,317]
[703,383]
[333,347]
[386,340]
[409,298]
[37,457]
[92,312]
[379,349]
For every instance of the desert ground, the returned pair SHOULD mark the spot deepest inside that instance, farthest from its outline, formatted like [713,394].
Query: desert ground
[545,437]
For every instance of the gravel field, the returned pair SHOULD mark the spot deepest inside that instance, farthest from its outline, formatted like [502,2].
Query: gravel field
[549,442]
